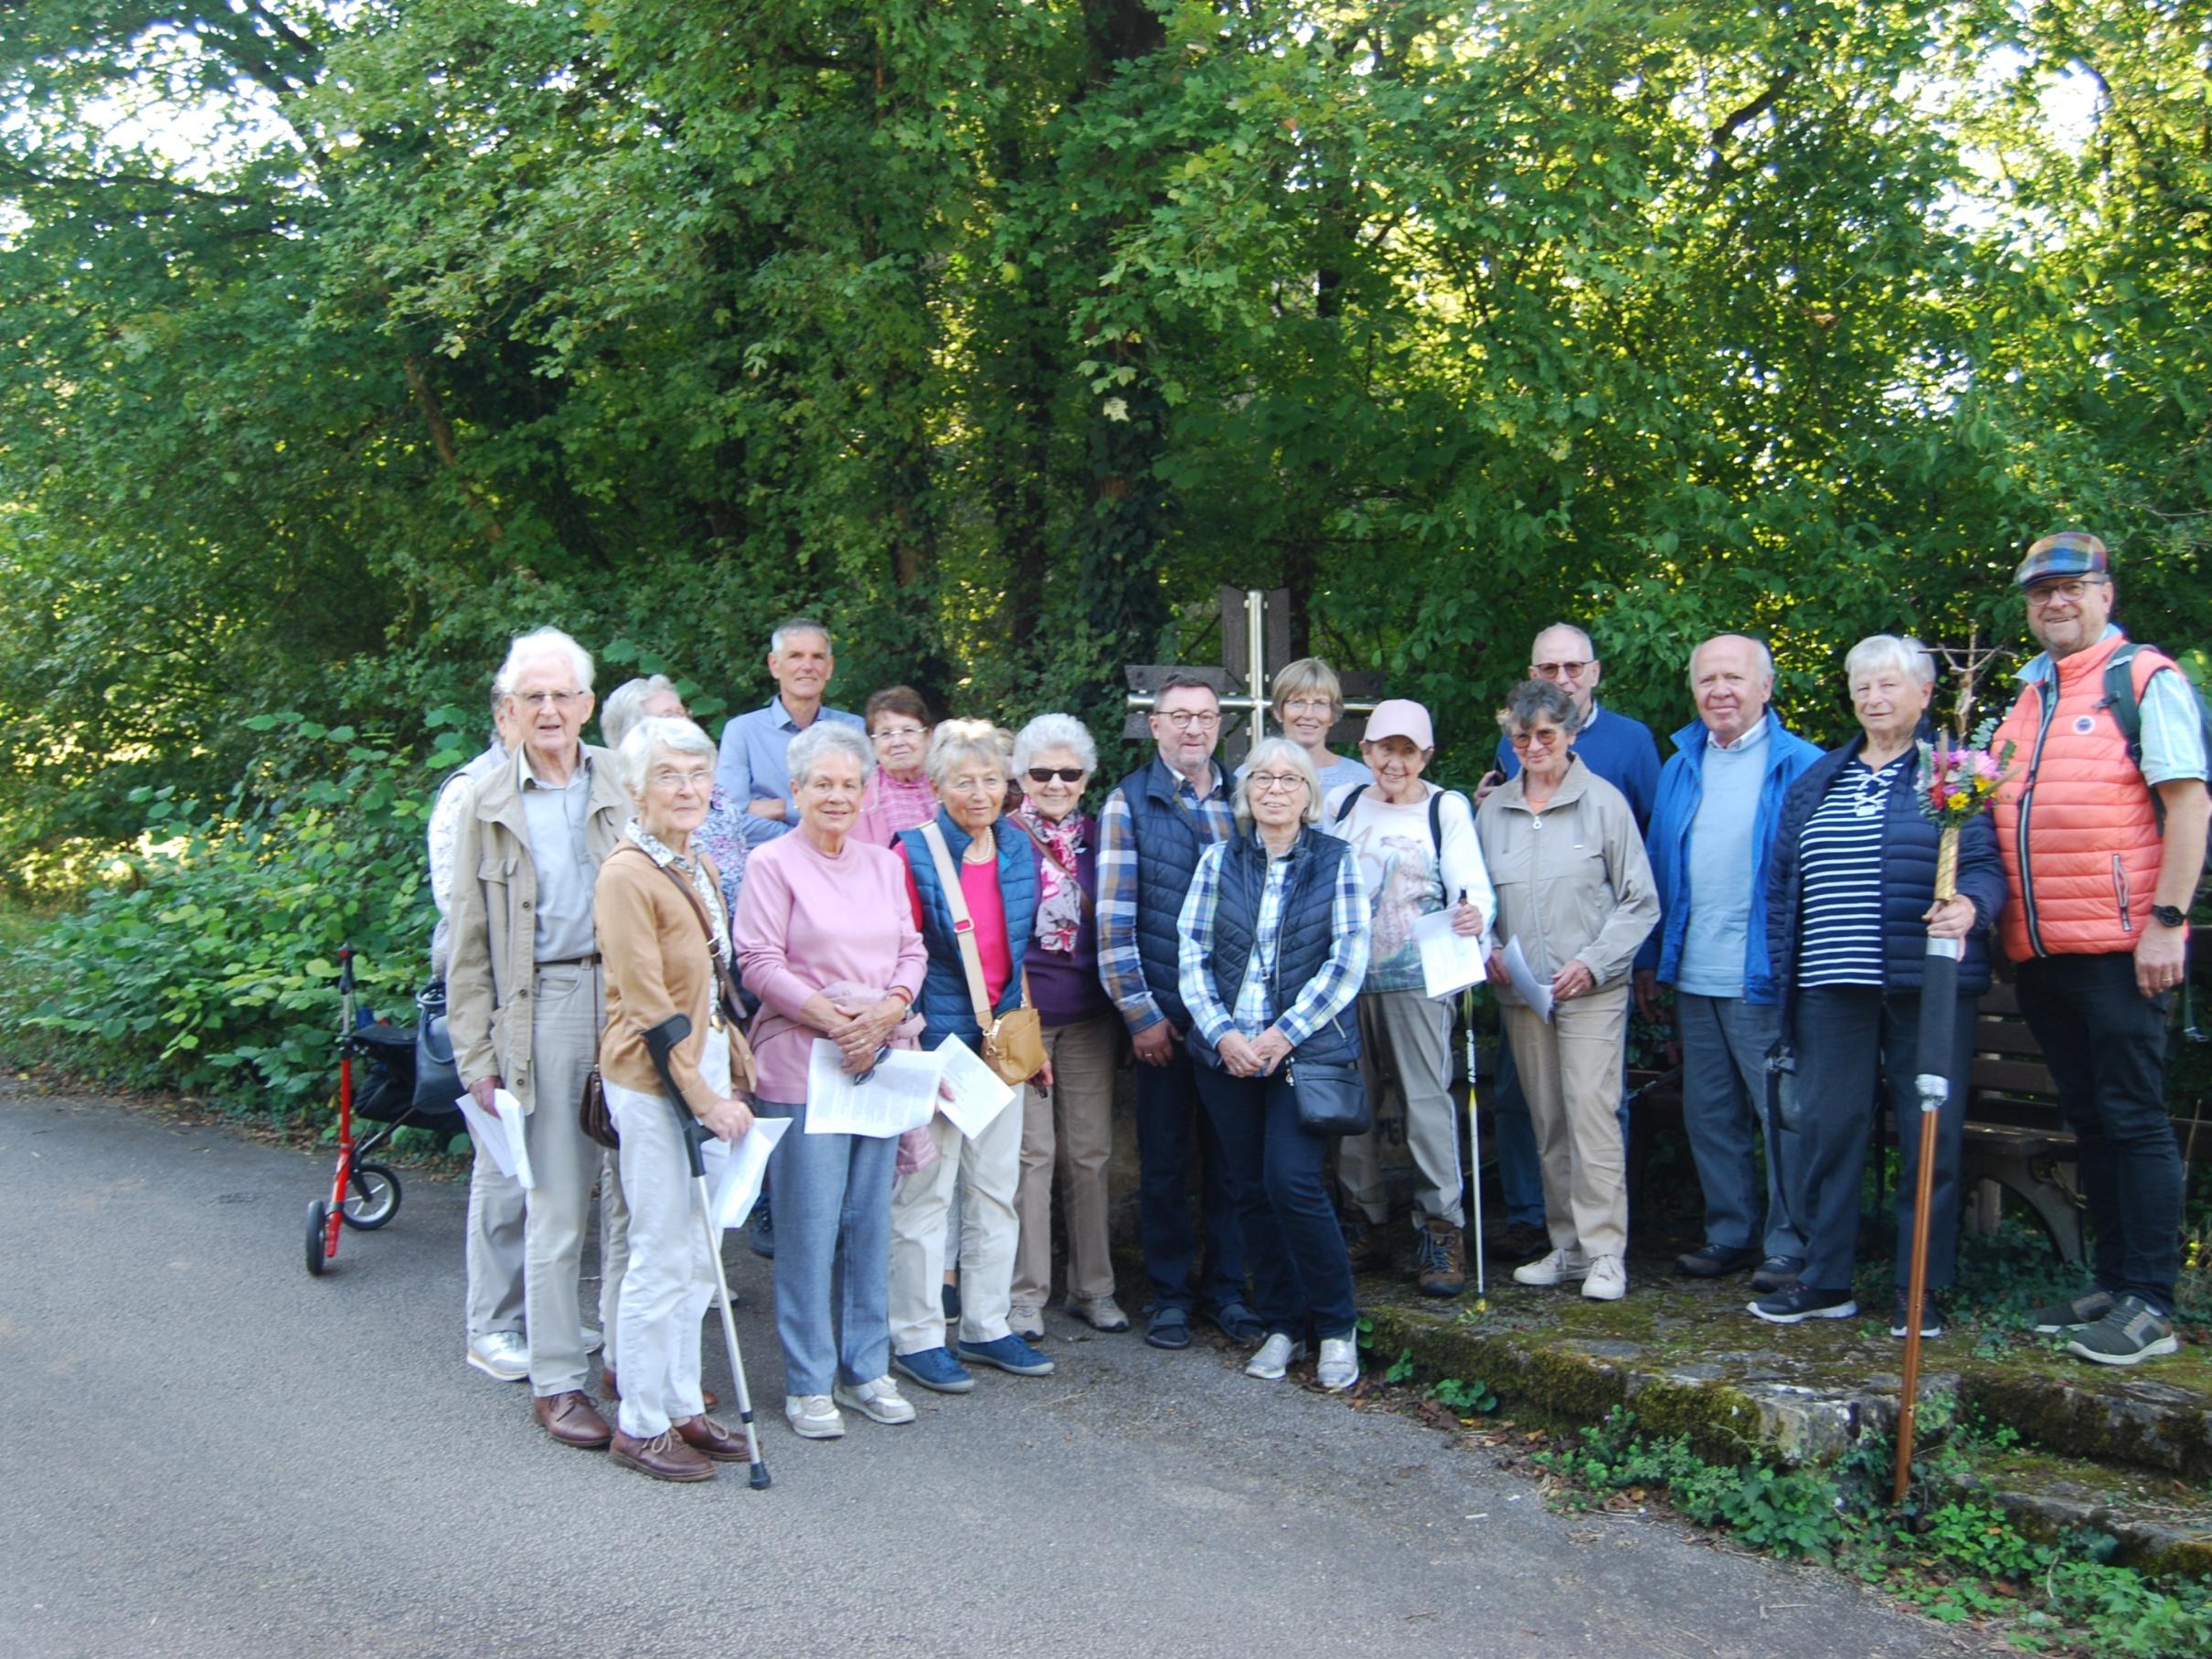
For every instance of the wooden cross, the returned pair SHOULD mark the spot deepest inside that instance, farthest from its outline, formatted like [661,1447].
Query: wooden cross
[1255,644]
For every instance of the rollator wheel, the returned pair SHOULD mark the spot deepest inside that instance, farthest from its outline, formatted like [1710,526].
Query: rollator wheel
[372,1198]
[318,1215]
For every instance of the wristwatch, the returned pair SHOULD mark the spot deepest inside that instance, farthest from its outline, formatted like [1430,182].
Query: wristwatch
[2169,915]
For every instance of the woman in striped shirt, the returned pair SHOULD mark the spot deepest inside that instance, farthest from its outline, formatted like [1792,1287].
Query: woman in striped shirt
[1850,908]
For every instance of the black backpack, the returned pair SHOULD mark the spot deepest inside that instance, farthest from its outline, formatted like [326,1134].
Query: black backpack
[1436,811]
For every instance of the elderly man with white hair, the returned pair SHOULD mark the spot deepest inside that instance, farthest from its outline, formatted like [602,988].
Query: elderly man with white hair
[1712,843]
[523,986]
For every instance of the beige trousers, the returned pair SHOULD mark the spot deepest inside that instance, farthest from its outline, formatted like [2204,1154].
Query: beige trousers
[1072,1127]
[987,1168]
[1570,1071]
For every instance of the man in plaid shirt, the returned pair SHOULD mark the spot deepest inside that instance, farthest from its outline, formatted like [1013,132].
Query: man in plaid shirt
[1151,831]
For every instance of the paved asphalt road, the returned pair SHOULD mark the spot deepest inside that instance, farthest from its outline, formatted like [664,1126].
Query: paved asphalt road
[205,1452]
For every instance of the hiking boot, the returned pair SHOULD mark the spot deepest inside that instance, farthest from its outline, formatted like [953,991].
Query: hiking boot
[1368,1245]
[1443,1259]
[2062,1316]
[1520,1240]
[2131,1332]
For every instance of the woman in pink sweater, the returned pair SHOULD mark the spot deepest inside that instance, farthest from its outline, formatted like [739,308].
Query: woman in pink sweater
[822,913]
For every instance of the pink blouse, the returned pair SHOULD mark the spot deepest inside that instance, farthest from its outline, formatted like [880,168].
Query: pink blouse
[889,807]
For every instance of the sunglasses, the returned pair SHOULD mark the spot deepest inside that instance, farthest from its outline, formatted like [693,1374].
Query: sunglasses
[1066,775]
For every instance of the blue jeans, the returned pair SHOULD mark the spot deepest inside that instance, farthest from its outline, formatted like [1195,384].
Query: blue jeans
[1520,1169]
[2105,1043]
[1300,1270]
[1725,1041]
[1172,1131]
[833,1245]
[1843,1035]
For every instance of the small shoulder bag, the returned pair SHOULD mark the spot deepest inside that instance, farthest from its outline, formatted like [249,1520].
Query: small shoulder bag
[1013,1042]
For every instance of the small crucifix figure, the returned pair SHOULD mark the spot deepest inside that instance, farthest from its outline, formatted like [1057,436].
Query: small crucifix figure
[1255,644]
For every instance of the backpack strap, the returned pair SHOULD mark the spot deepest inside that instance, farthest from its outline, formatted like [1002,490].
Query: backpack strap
[1350,800]
[2124,701]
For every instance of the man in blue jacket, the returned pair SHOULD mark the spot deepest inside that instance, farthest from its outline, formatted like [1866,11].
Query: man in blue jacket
[1711,841]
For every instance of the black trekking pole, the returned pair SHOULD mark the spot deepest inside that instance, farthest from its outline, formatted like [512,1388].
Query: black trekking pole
[660,1042]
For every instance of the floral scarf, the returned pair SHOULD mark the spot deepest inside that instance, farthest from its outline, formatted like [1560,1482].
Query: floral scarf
[1059,896]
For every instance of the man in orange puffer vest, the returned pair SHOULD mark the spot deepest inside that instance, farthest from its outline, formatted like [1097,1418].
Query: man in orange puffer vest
[2102,879]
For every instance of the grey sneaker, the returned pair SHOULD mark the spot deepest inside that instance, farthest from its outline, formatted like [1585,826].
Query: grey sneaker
[1277,1354]
[1561,1267]
[878,1402]
[1027,1321]
[1339,1367]
[812,1416]
[501,1354]
[2131,1332]
[2062,1316]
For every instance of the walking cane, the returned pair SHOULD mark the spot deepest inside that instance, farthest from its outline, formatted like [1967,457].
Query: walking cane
[660,1042]
[1474,1143]
[1939,1005]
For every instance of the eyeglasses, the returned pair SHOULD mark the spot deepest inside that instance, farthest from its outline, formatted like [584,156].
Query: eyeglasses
[1542,738]
[544,699]
[1182,719]
[2050,593]
[1273,783]
[1308,706]
[889,732]
[990,784]
[1559,671]
[669,778]
[1066,775]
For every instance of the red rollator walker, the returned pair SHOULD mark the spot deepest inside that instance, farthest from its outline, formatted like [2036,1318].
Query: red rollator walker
[364,1195]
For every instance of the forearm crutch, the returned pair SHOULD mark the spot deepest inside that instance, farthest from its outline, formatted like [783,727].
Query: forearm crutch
[660,1042]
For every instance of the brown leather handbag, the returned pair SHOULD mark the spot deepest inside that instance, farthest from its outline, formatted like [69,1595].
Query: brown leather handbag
[1013,1042]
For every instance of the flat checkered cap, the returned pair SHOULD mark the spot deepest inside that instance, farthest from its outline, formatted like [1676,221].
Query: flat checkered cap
[2068,553]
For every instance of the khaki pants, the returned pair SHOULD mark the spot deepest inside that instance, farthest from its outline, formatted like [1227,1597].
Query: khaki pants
[1071,1127]
[564,1041]
[1570,1070]
[1407,1036]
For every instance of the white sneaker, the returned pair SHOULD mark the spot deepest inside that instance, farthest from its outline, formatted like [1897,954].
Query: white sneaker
[811,1417]
[1026,1320]
[878,1402]
[1339,1367]
[501,1354]
[1558,1268]
[1607,1279]
[1277,1354]
[594,1339]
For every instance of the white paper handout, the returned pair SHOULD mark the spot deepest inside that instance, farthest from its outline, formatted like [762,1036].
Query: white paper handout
[901,1095]
[503,1136]
[1449,961]
[979,1093]
[1535,992]
[738,1188]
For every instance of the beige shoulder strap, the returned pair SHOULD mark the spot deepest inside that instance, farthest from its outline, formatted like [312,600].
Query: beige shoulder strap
[964,926]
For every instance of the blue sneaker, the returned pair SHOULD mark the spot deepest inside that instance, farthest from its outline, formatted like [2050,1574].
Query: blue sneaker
[1009,1353]
[934,1368]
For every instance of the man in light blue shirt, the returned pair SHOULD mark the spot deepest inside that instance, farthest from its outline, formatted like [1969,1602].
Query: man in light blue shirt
[1711,840]
[752,770]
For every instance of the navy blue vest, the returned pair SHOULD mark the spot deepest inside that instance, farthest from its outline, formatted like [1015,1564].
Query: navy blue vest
[1169,837]
[1302,941]
[947,1009]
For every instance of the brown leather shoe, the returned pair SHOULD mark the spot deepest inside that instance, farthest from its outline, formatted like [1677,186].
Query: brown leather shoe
[708,1397]
[705,1435]
[1521,1241]
[664,1457]
[1369,1245]
[572,1420]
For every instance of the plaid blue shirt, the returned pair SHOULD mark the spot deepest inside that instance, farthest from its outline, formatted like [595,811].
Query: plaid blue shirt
[1326,994]
[1121,968]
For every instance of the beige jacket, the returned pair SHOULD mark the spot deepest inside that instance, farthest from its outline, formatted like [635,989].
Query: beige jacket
[658,963]
[1572,882]
[488,978]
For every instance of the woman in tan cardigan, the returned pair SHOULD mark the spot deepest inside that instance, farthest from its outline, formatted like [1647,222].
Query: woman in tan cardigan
[661,928]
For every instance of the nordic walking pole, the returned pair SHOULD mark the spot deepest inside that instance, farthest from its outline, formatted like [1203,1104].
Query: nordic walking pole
[660,1042]
[1474,1143]
[1939,1006]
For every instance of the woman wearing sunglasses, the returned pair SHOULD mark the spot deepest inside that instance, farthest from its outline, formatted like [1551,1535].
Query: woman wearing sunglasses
[1070,1124]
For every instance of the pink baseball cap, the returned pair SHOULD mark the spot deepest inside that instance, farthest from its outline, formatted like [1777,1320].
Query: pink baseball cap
[1400,718]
